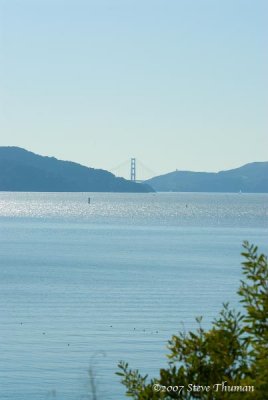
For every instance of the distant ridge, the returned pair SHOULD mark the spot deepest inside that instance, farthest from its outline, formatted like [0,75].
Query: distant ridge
[22,170]
[250,178]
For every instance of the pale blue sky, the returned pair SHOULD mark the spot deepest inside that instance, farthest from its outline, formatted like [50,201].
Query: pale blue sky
[176,83]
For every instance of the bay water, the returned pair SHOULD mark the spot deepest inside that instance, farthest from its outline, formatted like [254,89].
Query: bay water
[83,286]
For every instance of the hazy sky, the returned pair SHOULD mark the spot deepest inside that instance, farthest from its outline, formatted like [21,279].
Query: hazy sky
[176,83]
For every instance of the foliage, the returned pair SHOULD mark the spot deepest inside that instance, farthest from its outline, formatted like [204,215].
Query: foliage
[234,350]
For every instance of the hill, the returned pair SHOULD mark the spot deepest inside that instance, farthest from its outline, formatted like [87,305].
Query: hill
[250,178]
[22,170]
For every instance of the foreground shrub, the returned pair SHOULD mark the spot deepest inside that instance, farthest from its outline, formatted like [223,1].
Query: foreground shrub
[229,361]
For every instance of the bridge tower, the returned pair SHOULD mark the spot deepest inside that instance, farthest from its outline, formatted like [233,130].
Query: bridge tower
[133,169]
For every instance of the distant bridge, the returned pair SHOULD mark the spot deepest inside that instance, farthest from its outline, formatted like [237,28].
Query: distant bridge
[132,168]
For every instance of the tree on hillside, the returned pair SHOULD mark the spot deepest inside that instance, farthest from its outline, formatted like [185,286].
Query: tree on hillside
[229,361]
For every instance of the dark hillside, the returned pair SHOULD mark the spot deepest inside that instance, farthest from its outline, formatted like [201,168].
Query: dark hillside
[250,178]
[22,170]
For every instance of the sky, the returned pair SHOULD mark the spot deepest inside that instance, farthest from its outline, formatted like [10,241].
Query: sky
[178,84]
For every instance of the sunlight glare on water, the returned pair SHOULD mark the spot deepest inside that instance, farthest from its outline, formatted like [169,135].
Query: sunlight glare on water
[168,208]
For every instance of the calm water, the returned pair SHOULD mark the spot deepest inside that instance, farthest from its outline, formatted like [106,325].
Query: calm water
[88,285]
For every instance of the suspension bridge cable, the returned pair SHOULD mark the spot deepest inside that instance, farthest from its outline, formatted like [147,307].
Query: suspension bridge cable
[147,169]
[123,164]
